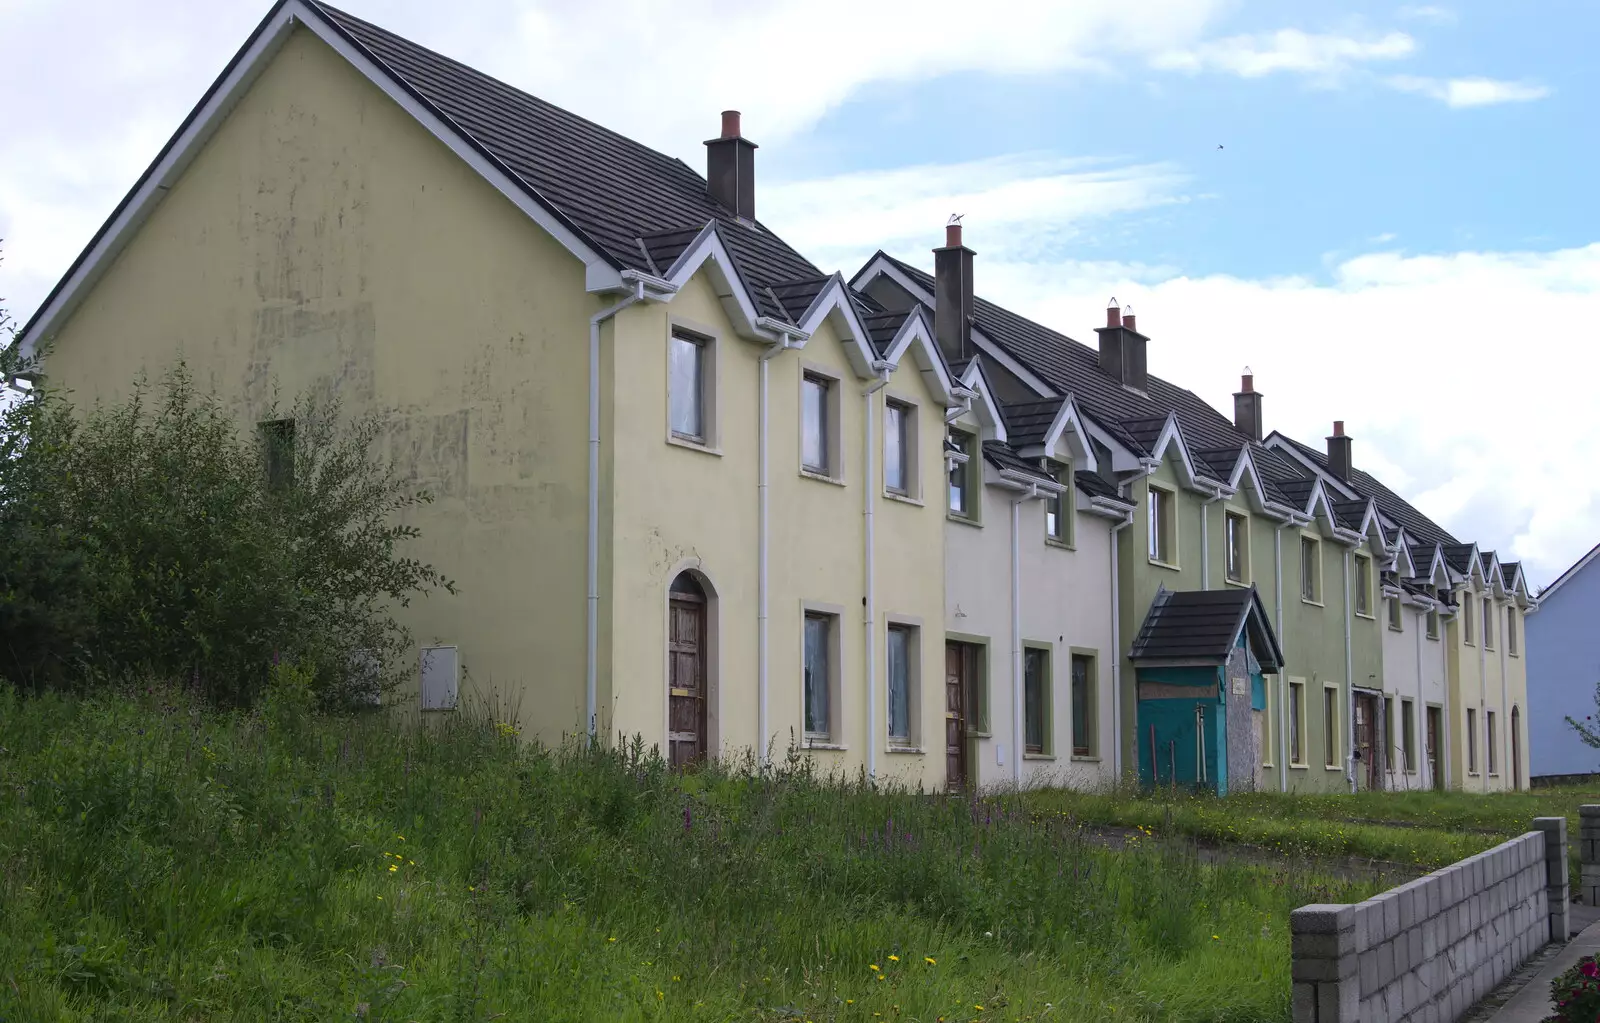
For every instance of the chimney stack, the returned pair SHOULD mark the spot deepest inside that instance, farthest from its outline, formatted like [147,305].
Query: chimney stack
[731,168]
[1339,451]
[1247,407]
[1122,349]
[952,294]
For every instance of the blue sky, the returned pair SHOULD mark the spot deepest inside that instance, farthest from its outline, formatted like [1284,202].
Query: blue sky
[1401,230]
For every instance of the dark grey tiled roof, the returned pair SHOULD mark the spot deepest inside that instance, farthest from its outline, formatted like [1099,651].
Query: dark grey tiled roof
[1001,456]
[1458,556]
[638,207]
[1508,572]
[1349,513]
[1390,503]
[1202,625]
[1096,485]
[1422,556]
[1028,422]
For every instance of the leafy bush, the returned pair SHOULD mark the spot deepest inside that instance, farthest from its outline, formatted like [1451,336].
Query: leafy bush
[149,537]
[1576,993]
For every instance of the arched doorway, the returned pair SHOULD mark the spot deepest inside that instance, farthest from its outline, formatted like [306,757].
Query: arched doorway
[1516,747]
[688,681]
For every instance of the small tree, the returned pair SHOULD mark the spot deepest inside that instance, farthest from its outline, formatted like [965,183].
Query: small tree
[184,550]
[1588,731]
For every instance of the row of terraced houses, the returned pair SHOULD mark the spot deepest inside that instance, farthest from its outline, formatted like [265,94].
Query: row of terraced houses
[694,488]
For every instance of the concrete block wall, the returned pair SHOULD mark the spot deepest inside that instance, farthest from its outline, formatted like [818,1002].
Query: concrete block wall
[1426,951]
[1589,855]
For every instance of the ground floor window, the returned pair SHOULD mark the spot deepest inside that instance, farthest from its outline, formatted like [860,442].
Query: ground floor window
[1472,741]
[1330,726]
[1083,706]
[1493,747]
[902,684]
[1408,734]
[1035,700]
[821,630]
[1297,723]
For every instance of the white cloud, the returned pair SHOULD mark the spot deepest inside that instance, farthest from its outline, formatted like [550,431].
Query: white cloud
[1470,92]
[1291,50]
[1429,13]
[1449,369]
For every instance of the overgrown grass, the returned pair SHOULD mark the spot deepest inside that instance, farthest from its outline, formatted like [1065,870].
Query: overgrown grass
[161,862]
[1427,829]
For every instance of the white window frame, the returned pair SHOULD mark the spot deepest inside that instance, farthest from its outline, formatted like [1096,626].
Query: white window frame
[1161,513]
[709,372]
[833,615]
[969,463]
[1066,510]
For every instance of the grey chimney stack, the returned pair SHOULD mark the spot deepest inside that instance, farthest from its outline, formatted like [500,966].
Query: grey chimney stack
[1339,451]
[1122,349]
[731,168]
[1247,407]
[952,296]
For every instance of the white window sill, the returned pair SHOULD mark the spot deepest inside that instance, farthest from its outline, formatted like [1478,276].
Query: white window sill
[1241,583]
[913,750]
[1368,615]
[1393,629]
[1169,566]
[963,519]
[693,445]
[1332,767]
[1299,767]
[889,495]
[807,474]
[1313,603]
[1038,756]
[823,744]
[1059,544]
[1087,758]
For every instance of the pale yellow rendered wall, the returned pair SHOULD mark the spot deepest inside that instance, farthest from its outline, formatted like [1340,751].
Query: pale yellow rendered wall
[322,239]
[1489,679]
[678,507]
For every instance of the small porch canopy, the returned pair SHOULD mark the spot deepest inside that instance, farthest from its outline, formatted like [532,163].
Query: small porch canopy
[1199,628]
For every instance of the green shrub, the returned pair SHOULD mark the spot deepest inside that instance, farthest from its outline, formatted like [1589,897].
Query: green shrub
[150,538]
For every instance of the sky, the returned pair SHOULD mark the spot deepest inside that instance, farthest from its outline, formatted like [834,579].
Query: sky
[1387,211]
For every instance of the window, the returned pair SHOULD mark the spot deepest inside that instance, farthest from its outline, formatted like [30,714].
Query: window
[1162,542]
[897,448]
[1387,738]
[439,676]
[277,438]
[1472,740]
[902,684]
[1035,700]
[1236,532]
[1408,735]
[1488,623]
[1330,726]
[1058,509]
[1083,706]
[1363,585]
[1511,631]
[1433,623]
[1492,746]
[1396,620]
[818,681]
[962,467]
[1297,723]
[815,399]
[686,387]
[1310,570]
[1467,636]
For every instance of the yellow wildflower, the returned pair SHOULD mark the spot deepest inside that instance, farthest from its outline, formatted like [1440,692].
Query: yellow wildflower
[894,959]
[393,868]
[930,960]
[873,967]
[611,939]
[659,996]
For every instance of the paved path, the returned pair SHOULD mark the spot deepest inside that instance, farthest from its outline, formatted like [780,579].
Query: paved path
[1531,1003]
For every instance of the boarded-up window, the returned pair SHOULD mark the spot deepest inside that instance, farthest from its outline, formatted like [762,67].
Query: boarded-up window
[440,671]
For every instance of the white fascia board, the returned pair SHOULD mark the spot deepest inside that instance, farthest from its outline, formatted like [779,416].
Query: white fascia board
[1067,417]
[708,248]
[1108,507]
[1245,472]
[881,265]
[1172,433]
[833,303]
[1019,479]
[601,274]
[916,337]
[984,406]
[1577,567]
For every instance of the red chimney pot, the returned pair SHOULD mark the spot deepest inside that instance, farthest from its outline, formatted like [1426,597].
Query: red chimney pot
[1338,427]
[1128,320]
[1247,383]
[1113,314]
[730,124]
[952,236]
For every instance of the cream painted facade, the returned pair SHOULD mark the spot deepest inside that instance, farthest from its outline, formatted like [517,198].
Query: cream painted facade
[323,240]
[1065,607]
[1488,688]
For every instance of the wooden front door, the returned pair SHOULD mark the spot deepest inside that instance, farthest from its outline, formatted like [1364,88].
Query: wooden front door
[1366,730]
[1435,754]
[956,680]
[686,677]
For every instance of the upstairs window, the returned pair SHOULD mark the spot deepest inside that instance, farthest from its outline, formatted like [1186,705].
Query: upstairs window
[1488,623]
[1058,509]
[1433,623]
[963,469]
[1163,542]
[1396,619]
[686,386]
[1310,570]
[1468,635]
[897,447]
[1363,585]
[1511,631]
[1236,534]
[815,439]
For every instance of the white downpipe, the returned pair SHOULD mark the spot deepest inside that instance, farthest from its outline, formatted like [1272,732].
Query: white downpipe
[591,671]
[1283,672]
[1444,675]
[763,728]
[1505,710]
[1483,691]
[870,499]
[1205,539]
[1116,652]
[1018,741]
[1349,685]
